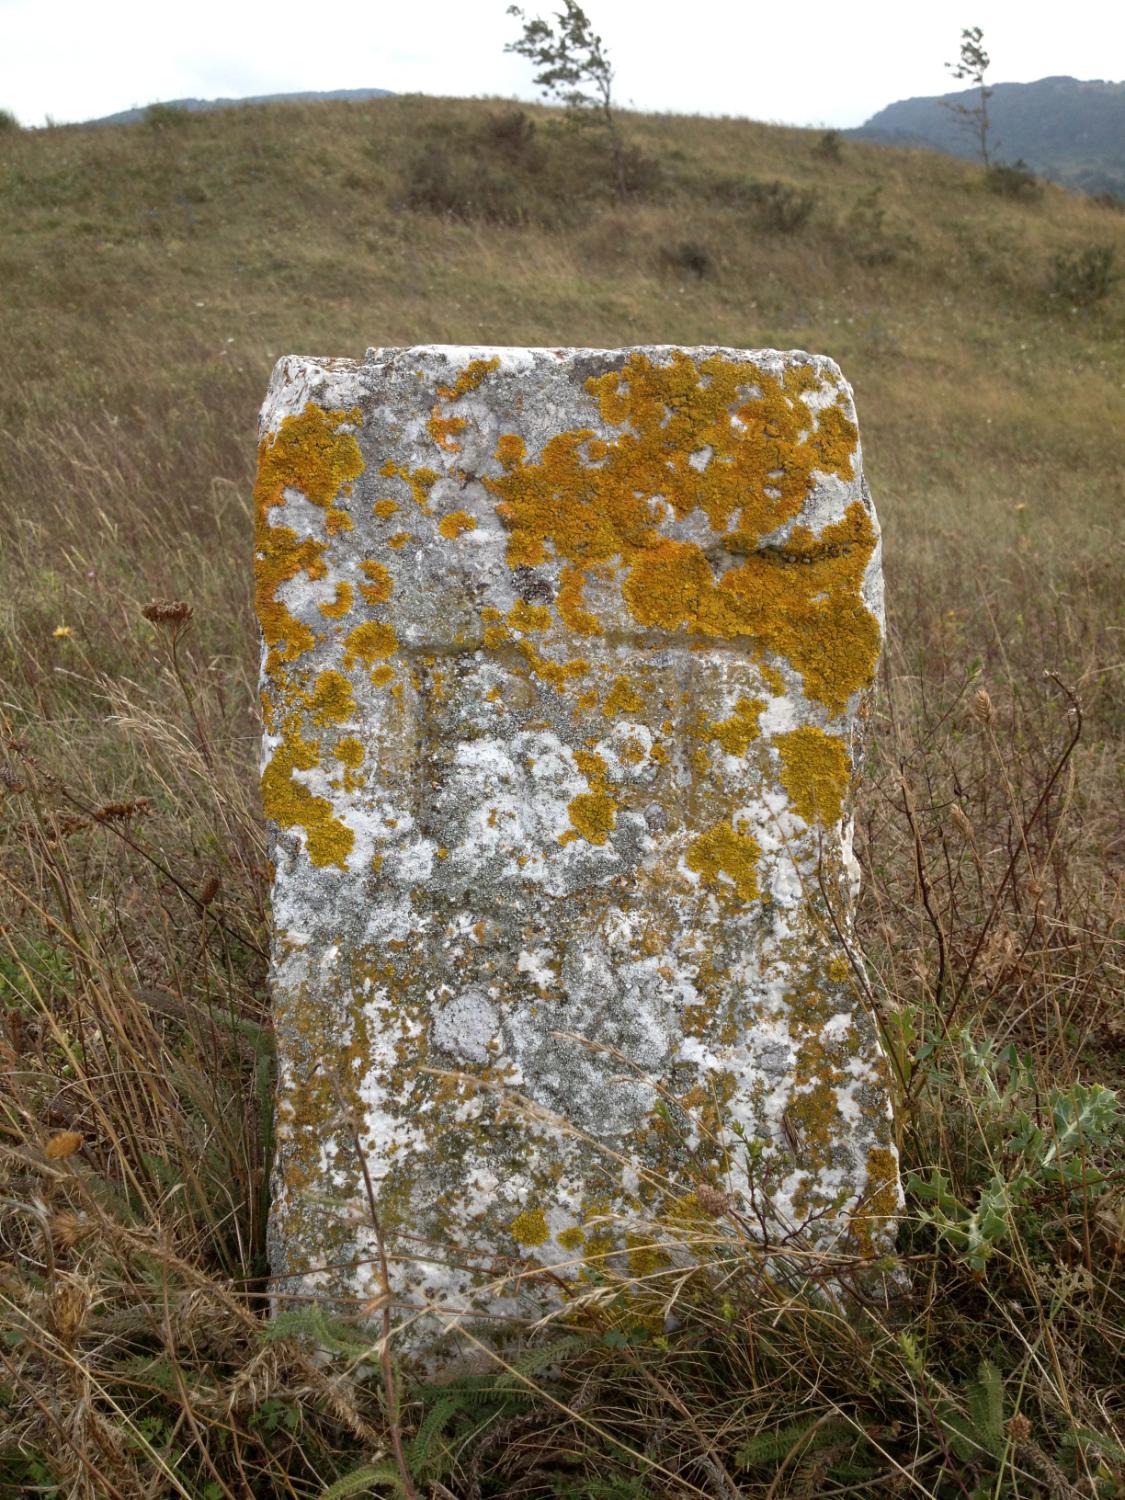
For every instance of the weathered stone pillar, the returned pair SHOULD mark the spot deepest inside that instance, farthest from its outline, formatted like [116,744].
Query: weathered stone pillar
[566,661]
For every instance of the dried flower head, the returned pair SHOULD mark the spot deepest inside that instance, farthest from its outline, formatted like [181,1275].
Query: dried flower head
[1019,1428]
[168,611]
[209,890]
[68,1229]
[118,812]
[69,1306]
[711,1201]
[982,706]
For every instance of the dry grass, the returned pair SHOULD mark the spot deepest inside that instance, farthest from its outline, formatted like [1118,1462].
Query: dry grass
[151,276]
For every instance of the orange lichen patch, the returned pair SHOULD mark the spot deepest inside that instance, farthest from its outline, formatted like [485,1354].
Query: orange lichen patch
[880,1202]
[291,805]
[421,481]
[725,851]
[380,586]
[469,379]
[736,733]
[384,509]
[530,1228]
[529,617]
[814,772]
[457,521]
[622,698]
[337,520]
[558,674]
[308,453]
[588,700]
[399,539]
[631,751]
[589,502]
[382,675]
[444,430]
[345,597]
[568,599]
[593,814]
[368,643]
[349,752]
[331,700]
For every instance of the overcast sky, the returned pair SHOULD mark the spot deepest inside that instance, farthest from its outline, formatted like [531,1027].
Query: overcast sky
[831,62]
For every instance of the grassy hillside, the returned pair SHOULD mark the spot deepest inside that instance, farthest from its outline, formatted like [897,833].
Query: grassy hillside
[151,275]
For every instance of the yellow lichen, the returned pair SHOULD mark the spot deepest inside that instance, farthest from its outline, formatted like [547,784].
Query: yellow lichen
[399,539]
[725,851]
[342,603]
[736,733]
[380,585]
[369,643]
[291,805]
[384,509]
[469,378]
[349,752]
[457,521]
[530,1228]
[590,502]
[331,700]
[571,1239]
[445,430]
[308,453]
[814,772]
[421,481]
[530,617]
[593,814]
[622,698]
[568,599]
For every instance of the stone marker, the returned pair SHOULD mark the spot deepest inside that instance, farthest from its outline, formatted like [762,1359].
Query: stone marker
[565,664]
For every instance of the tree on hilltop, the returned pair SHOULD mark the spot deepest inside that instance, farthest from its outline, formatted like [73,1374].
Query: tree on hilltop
[574,69]
[971,67]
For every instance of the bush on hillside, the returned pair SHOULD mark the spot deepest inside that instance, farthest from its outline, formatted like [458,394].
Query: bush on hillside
[776,207]
[1084,277]
[829,147]
[689,258]
[165,116]
[8,121]
[1013,180]
[507,172]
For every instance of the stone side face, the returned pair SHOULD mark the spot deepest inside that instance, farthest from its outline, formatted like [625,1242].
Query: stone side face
[565,664]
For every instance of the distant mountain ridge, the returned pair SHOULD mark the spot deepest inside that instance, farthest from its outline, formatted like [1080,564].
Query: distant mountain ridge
[1068,129]
[194,106]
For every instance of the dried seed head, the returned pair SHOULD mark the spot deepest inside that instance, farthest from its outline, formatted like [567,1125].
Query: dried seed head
[1019,1428]
[68,1229]
[957,813]
[69,1306]
[115,812]
[63,1143]
[982,706]
[209,890]
[168,611]
[711,1201]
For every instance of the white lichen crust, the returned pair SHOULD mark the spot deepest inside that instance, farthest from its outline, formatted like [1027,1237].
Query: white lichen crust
[566,657]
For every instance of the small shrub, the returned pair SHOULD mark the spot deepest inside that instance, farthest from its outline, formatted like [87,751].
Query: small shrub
[1111,201]
[165,116]
[463,186]
[1013,180]
[780,207]
[690,258]
[8,121]
[830,146]
[866,230]
[511,134]
[1084,277]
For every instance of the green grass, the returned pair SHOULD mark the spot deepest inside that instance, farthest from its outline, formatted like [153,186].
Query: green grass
[151,276]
